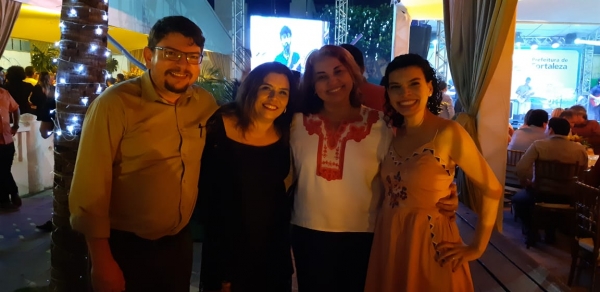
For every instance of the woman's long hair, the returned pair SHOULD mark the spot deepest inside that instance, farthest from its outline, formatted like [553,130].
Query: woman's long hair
[312,103]
[434,102]
[45,81]
[243,108]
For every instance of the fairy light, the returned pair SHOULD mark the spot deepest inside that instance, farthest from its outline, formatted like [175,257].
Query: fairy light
[62,81]
[57,43]
[93,47]
[98,30]
[72,12]
[107,53]
[84,100]
[74,119]
[105,17]
[54,60]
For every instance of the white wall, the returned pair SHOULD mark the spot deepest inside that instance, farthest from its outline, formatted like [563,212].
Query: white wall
[123,64]
[15,58]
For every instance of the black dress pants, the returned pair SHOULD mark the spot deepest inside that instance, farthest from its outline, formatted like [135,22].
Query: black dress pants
[161,265]
[331,261]
[8,186]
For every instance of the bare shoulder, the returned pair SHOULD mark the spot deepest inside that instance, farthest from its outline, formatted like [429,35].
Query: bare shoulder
[450,129]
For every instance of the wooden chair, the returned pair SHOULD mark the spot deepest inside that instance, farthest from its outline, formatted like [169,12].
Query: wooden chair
[552,183]
[586,242]
[512,184]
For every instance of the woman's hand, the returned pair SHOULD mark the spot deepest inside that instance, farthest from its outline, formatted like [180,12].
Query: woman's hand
[456,254]
[449,204]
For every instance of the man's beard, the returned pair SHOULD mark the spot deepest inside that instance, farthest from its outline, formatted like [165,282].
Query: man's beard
[174,89]
[287,48]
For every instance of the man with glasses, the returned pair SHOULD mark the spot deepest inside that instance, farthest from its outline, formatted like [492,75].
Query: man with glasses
[136,177]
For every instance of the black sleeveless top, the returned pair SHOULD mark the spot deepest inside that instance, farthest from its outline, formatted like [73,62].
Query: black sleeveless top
[245,212]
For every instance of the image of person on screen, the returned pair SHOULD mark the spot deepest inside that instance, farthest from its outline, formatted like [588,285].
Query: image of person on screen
[287,57]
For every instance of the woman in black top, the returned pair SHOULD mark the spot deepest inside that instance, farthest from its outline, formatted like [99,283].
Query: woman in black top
[41,92]
[18,89]
[243,202]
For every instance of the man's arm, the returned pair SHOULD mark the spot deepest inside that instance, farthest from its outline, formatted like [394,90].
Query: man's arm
[89,200]
[524,167]
[16,115]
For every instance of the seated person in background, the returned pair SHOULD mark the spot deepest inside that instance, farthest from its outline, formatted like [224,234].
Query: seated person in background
[535,130]
[556,147]
[584,127]
[556,112]
[511,131]
[447,111]
[525,118]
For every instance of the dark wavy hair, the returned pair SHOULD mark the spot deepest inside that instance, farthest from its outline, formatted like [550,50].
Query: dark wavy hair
[312,103]
[243,107]
[434,102]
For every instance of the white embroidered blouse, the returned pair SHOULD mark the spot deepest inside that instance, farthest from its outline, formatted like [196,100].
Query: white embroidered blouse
[339,188]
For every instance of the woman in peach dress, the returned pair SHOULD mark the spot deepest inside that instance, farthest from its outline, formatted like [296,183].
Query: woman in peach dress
[415,248]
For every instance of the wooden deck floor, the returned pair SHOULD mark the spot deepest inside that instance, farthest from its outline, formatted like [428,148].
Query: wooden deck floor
[503,266]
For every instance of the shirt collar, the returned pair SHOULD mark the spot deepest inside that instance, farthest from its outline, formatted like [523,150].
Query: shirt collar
[555,136]
[150,94]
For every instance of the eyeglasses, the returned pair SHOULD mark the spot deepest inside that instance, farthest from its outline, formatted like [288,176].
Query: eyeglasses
[175,55]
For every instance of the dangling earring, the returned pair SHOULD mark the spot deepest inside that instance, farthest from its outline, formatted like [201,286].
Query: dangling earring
[285,110]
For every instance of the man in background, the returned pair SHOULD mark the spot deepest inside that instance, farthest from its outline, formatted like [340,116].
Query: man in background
[447,105]
[120,77]
[30,75]
[2,76]
[373,95]
[536,129]
[287,57]
[556,147]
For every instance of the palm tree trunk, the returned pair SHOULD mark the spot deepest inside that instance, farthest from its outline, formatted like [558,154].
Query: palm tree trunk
[80,78]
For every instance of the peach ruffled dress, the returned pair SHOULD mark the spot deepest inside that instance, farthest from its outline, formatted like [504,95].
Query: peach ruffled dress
[409,226]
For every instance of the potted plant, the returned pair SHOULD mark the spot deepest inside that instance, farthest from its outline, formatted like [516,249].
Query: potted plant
[44,60]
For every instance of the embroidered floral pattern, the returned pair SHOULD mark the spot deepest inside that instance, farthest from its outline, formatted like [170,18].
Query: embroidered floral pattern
[332,142]
[396,191]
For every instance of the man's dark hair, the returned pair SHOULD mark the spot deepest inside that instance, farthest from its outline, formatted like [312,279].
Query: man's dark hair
[356,54]
[120,77]
[566,114]
[15,74]
[442,85]
[29,71]
[559,126]
[537,118]
[285,30]
[175,24]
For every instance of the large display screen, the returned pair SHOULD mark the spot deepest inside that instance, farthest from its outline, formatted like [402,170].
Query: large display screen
[285,40]
[544,79]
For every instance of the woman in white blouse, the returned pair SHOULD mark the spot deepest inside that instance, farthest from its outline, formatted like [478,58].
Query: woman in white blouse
[337,147]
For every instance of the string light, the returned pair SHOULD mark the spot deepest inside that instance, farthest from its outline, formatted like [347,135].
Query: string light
[72,13]
[105,17]
[84,100]
[98,31]
[93,47]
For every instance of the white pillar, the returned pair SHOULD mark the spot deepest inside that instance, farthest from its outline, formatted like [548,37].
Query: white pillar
[35,155]
[401,36]
[492,120]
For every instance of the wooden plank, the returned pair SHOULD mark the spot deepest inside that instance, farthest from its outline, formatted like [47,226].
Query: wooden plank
[482,280]
[500,267]
[514,258]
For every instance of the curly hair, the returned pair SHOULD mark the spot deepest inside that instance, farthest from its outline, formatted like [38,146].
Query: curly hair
[434,102]
[312,103]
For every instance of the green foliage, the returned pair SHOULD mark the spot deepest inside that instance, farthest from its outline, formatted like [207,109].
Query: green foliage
[112,65]
[375,23]
[43,60]
[213,80]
